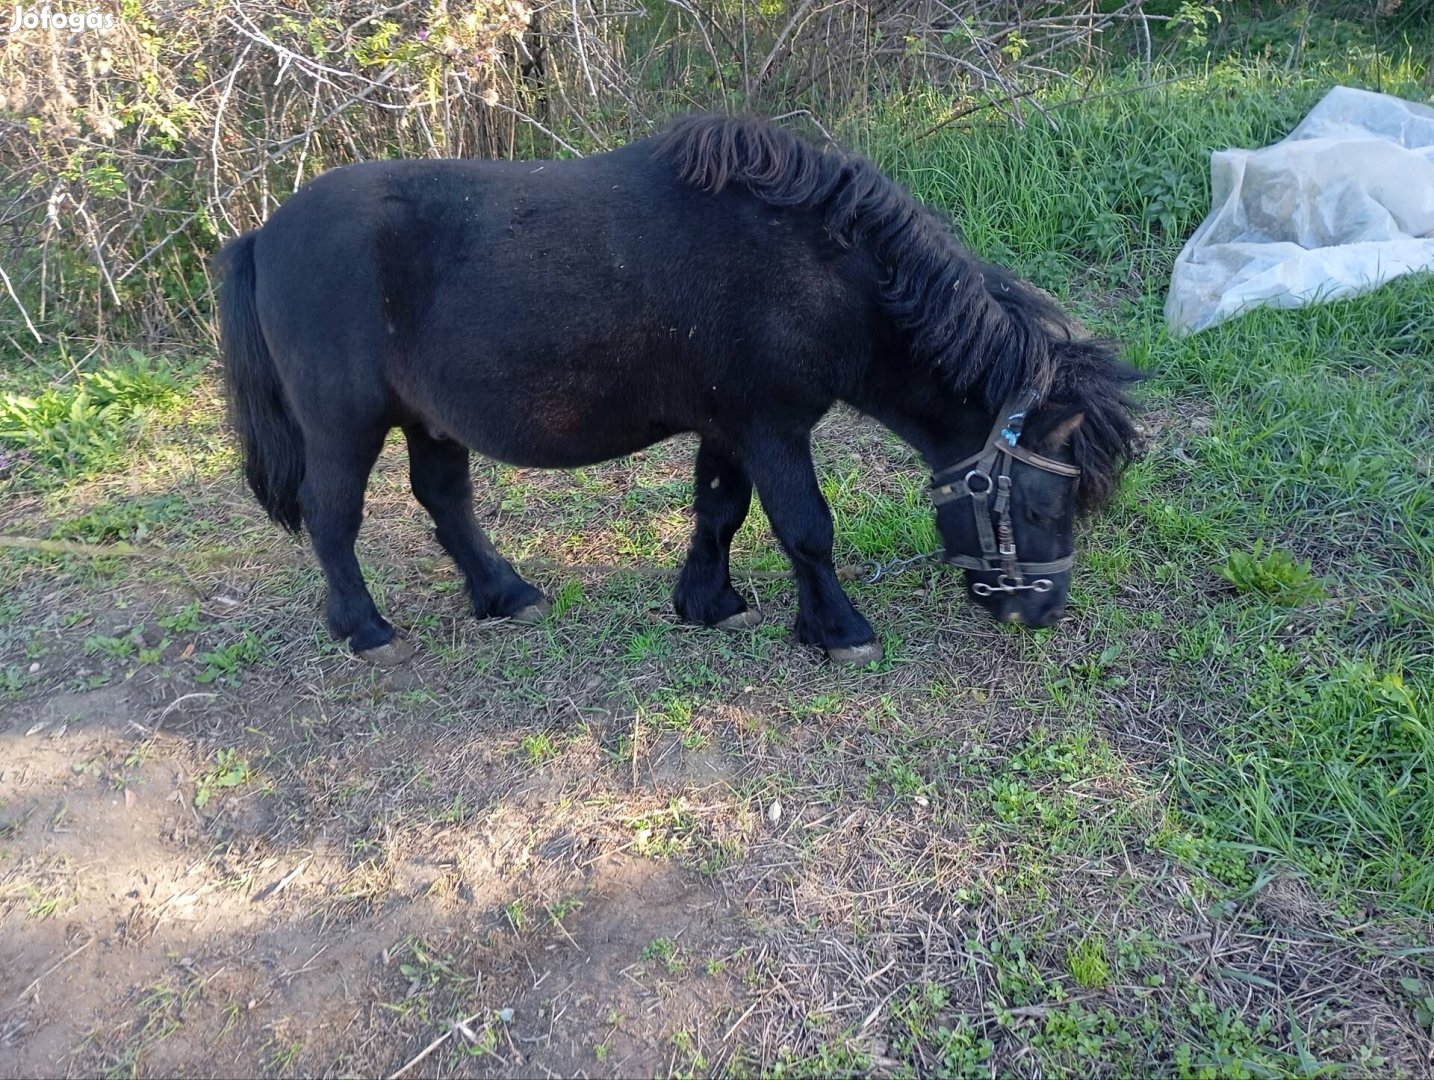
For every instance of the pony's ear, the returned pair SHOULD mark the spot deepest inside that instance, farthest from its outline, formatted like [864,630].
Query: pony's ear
[1061,435]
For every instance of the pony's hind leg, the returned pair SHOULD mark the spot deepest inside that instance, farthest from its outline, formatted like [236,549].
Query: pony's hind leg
[781,468]
[331,496]
[438,473]
[722,494]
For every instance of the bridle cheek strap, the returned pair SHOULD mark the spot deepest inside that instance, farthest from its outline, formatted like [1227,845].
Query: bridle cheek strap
[978,476]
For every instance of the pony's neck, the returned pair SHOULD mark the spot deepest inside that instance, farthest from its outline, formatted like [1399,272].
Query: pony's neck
[936,423]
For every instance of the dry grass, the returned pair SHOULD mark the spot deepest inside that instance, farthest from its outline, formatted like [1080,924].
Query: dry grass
[663,849]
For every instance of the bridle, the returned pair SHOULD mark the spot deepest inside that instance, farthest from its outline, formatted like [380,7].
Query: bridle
[972,477]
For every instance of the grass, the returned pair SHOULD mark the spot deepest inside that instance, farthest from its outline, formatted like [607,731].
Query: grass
[1189,833]
[1306,488]
[86,424]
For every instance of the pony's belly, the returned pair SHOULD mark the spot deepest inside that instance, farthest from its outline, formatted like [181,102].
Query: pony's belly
[526,445]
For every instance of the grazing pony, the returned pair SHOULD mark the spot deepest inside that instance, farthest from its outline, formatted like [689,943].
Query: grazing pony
[723,277]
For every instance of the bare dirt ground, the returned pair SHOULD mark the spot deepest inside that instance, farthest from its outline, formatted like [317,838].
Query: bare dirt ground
[612,845]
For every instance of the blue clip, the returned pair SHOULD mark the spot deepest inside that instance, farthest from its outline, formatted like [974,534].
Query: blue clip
[1012,436]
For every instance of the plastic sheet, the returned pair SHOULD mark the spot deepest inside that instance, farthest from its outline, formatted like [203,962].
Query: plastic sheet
[1340,206]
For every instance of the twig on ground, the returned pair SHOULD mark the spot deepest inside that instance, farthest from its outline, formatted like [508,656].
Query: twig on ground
[50,971]
[434,1045]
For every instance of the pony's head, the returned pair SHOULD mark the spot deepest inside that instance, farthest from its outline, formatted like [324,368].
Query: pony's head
[1007,513]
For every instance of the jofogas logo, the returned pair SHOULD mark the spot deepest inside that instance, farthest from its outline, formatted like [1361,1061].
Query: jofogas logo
[48,18]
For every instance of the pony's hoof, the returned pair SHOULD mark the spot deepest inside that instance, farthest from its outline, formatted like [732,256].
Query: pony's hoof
[857,655]
[391,654]
[533,613]
[743,620]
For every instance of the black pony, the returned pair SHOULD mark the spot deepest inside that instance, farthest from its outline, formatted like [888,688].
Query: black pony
[723,277]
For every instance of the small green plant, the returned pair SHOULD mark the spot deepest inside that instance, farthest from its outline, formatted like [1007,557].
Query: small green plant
[148,655]
[569,596]
[1421,997]
[562,909]
[229,660]
[129,520]
[539,747]
[230,770]
[455,812]
[1088,964]
[663,951]
[1192,19]
[650,642]
[285,1056]
[185,620]
[1224,861]
[1274,573]
[119,648]
[963,1050]
[76,429]
[517,914]
[44,907]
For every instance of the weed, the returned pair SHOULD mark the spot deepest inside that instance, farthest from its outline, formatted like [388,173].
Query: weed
[228,660]
[568,597]
[184,621]
[284,1057]
[1274,573]
[1421,997]
[663,951]
[44,906]
[652,642]
[130,521]
[1088,964]
[517,914]
[229,771]
[12,679]
[539,747]
[88,426]
[456,812]
[118,648]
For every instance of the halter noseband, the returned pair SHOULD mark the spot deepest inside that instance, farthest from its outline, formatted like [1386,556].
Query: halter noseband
[998,546]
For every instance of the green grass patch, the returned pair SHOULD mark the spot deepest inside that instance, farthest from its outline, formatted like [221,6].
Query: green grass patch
[86,424]
[1301,483]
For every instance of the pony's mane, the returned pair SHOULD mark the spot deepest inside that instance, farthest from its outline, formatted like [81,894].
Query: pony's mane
[980,328]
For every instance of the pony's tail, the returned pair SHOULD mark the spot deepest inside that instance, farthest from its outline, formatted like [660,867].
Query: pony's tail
[270,440]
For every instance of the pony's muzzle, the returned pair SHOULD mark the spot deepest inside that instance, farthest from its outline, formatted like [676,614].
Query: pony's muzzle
[1031,607]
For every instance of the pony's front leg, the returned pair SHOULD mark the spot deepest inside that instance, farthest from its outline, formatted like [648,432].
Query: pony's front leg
[781,468]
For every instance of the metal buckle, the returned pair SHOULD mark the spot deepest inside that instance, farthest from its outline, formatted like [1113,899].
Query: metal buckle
[984,476]
[1006,584]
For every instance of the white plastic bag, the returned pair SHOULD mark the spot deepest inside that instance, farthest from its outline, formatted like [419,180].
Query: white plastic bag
[1340,206]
